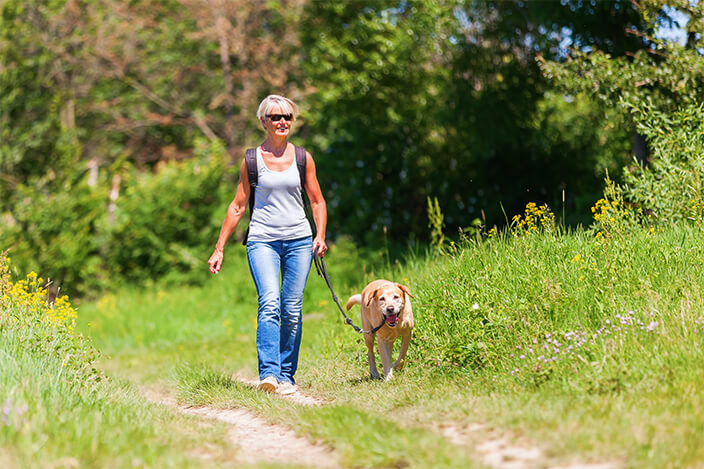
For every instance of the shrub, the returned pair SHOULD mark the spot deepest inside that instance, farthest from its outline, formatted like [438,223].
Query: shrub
[55,232]
[671,187]
[167,222]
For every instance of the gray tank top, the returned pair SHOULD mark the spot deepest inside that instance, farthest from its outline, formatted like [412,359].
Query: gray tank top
[278,205]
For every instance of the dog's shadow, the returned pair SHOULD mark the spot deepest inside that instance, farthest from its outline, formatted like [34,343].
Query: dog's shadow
[364,380]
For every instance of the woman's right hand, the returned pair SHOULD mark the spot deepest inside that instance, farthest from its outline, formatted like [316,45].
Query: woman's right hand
[319,246]
[215,261]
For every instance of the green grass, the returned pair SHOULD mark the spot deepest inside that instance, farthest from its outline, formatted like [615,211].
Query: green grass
[58,411]
[361,436]
[632,396]
[51,423]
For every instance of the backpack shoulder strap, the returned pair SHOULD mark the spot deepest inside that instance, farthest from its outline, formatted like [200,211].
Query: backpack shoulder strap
[250,159]
[301,160]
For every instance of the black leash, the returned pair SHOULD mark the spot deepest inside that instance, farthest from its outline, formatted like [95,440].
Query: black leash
[323,272]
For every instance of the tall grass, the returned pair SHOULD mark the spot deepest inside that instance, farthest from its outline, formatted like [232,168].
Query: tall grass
[583,306]
[591,339]
[56,408]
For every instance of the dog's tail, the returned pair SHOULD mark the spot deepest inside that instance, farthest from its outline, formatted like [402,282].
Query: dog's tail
[354,300]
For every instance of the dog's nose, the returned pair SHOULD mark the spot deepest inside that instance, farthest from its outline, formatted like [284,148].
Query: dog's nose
[390,309]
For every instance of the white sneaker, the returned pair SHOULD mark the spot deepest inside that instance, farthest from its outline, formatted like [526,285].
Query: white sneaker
[268,384]
[286,388]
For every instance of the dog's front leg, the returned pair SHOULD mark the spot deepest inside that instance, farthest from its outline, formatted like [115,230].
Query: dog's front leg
[405,341]
[386,360]
[369,341]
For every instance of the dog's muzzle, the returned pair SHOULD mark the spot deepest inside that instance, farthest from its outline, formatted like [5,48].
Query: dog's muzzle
[391,318]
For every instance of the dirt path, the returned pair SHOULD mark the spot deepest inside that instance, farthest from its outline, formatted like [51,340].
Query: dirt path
[258,440]
[497,452]
[263,442]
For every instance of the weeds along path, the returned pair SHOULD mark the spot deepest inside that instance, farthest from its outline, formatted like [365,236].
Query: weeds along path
[259,441]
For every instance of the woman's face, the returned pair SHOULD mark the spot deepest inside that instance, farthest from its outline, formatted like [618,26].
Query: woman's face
[279,127]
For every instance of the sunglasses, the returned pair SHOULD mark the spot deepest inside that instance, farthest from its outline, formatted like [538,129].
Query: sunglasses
[278,117]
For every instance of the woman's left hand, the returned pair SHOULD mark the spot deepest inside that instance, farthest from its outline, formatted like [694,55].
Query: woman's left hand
[319,244]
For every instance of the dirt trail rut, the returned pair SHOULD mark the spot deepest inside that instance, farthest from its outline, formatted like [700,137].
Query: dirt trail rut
[258,440]
[499,453]
[264,442]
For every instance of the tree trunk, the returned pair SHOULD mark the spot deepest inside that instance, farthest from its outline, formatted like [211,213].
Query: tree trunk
[640,149]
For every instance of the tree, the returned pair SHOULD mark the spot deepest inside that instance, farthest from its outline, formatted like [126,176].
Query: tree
[445,99]
[179,69]
[663,72]
[94,89]
[378,74]
[527,142]
[38,134]
[660,89]
[110,81]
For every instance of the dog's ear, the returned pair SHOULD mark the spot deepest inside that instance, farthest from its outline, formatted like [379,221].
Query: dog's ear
[371,297]
[405,289]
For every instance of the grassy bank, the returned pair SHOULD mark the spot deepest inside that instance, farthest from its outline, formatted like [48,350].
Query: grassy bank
[586,344]
[589,341]
[58,410]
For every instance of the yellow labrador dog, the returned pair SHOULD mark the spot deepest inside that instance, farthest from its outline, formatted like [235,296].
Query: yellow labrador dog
[388,303]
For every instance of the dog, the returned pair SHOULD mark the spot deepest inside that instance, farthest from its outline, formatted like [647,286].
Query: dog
[387,302]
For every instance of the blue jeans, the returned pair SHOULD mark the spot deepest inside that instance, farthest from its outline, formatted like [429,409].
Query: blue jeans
[279,316]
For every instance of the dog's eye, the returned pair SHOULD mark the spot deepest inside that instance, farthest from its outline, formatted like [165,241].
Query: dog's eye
[396,297]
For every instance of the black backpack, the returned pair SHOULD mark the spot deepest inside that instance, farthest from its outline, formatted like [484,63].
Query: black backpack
[250,159]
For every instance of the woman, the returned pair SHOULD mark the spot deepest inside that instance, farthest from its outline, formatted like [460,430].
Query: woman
[279,241]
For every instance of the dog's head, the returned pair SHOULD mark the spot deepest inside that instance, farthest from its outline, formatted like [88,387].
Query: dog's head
[390,299]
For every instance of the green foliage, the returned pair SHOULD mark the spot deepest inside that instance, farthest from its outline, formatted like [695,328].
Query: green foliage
[138,81]
[420,98]
[400,100]
[166,221]
[37,141]
[31,326]
[580,140]
[372,126]
[671,187]
[96,90]
[56,232]
[657,91]
[666,73]
[57,409]
[514,137]
[667,190]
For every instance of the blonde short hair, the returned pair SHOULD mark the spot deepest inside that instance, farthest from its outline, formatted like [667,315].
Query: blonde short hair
[287,106]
